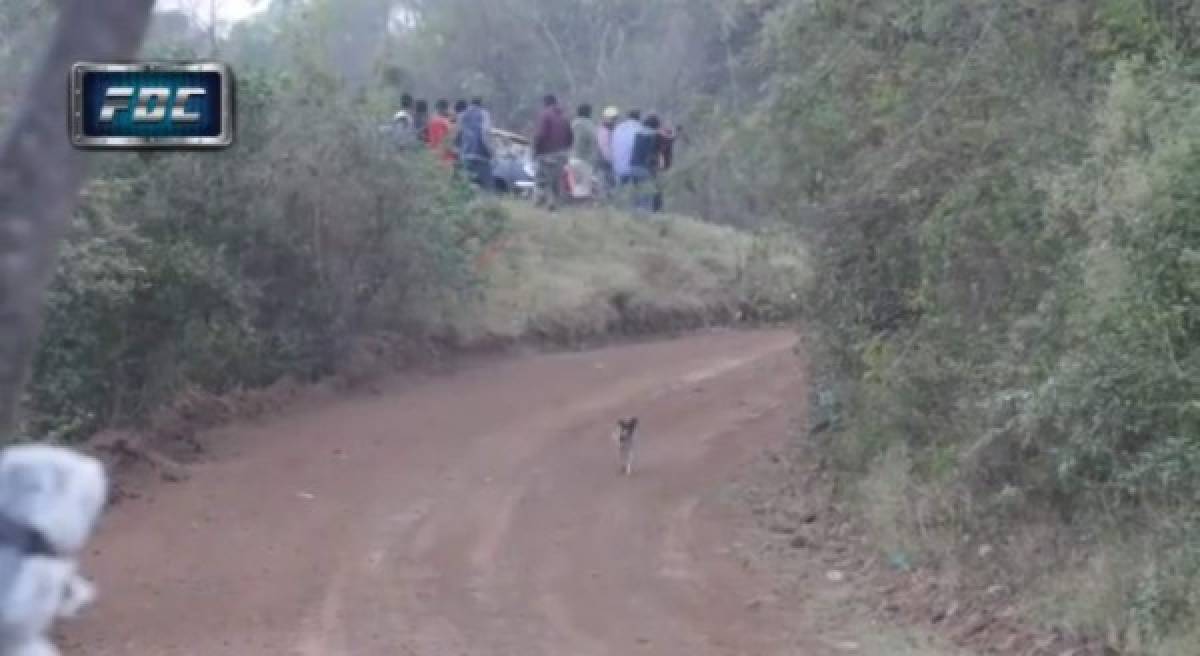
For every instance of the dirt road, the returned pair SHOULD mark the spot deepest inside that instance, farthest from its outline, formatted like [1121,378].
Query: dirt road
[478,513]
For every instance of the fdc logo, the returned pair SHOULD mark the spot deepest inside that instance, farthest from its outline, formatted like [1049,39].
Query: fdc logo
[176,105]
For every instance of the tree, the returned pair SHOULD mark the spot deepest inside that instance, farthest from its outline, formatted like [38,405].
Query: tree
[514,51]
[41,173]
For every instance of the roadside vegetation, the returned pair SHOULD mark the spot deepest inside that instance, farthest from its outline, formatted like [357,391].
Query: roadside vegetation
[1005,316]
[314,249]
[588,274]
[1000,279]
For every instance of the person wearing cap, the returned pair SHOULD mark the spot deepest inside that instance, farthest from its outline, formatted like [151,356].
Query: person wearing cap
[604,151]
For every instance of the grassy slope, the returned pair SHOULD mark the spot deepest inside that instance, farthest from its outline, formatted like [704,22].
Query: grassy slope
[580,274]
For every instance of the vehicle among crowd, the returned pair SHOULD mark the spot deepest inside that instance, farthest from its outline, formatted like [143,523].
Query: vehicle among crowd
[566,160]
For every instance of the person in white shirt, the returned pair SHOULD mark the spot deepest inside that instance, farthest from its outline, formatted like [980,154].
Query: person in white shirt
[604,154]
[623,140]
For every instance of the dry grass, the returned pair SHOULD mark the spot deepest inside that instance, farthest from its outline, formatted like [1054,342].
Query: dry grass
[1078,580]
[1092,591]
[908,520]
[580,274]
[891,641]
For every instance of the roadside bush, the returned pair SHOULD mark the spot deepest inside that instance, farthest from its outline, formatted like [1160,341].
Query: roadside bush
[231,269]
[1119,406]
[1005,315]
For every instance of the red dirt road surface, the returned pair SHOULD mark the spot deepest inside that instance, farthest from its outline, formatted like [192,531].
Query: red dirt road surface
[476,513]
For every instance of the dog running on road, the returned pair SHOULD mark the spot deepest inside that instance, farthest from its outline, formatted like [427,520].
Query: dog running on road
[625,429]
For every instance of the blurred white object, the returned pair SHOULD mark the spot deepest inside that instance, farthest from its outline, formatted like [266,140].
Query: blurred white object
[580,178]
[50,499]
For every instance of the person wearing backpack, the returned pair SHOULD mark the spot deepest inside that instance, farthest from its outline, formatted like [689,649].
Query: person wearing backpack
[472,142]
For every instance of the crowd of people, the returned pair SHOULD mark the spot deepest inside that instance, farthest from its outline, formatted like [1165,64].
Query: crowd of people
[458,137]
[601,157]
[613,153]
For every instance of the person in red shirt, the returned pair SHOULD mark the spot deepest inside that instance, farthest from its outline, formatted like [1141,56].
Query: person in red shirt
[439,130]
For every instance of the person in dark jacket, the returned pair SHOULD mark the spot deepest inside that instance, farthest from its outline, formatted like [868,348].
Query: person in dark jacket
[666,155]
[552,141]
[474,147]
[645,162]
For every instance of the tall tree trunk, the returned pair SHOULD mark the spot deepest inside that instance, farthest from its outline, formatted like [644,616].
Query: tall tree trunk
[41,173]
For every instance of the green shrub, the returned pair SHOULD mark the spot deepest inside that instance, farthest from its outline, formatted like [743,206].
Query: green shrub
[1006,255]
[230,269]
[1119,409]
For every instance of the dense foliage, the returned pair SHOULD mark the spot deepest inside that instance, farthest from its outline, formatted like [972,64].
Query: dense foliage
[1001,197]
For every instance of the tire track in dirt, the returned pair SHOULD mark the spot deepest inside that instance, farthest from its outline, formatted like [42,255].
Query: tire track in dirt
[477,513]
